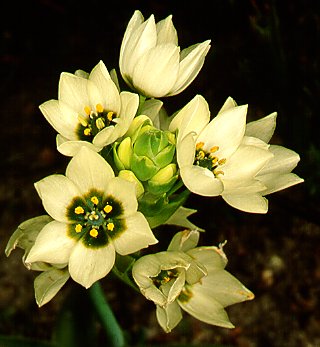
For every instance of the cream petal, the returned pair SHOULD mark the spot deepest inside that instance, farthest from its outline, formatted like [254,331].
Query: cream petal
[53,245]
[88,265]
[184,240]
[245,163]
[253,203]
[157,70]
[206,309]
[141,39]
[192,118]
[71,148]
[275,182]
[103,90]
[57,193]
[262,128]
[166,32]
[95,171]
[61,117]
[191,62]
[284,160]
[135,21]
[138,235]
[228,104]
[169,317]
[201,181]
[123,191]
[223,288]
[211,257]
[73,92]
[107,136]
[186,150]
[226,131]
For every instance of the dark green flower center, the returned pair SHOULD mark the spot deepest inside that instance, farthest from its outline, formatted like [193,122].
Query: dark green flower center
[95,219]
[208,159]
[164,277]
[93,122]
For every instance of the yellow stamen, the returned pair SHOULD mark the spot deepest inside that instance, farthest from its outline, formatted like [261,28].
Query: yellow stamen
[94,233]
[78,228]
[201,155]
[199,145]
[107,209]
[218,172]
[82,121]
[79,210]
[222,161]
[214,160]
[87,131]
[99,108]
[100,123]
[110,226]
[110,116]
[214,149]
[87,110]
[95,200]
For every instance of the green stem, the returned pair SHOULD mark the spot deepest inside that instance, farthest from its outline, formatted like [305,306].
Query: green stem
[106,316]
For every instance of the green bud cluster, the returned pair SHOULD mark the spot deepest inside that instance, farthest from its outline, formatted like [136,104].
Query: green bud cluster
[147,156]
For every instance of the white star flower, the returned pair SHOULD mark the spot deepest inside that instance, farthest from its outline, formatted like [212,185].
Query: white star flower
[89,111]
[151,61]
[226,157]
[189,278]
[95,215]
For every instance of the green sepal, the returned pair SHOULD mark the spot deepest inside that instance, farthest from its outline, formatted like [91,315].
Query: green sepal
[160,188]
[26,234]
[150,204]
[48,284]
[168,208]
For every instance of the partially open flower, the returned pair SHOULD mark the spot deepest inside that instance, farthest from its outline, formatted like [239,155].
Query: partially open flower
[151,61]
[94,216]
[89,111]
[225,157]
[189,278]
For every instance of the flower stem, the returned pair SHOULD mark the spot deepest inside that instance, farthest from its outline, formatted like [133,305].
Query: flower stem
[108,320]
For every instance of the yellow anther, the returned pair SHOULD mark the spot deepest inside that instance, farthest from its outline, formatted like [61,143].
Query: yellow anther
[78,228]
[214,149]
[214,160]
[87,131]
[110,116]
[107,209]
[201,155]
[110,226]
[100,123]
[82,121]
[95,200]
[199,145]
[94,233]
[87,110]
[79,210]
[218,172]
[99,108]
[222,161]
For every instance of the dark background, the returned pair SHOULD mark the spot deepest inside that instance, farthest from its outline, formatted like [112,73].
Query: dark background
[264,53]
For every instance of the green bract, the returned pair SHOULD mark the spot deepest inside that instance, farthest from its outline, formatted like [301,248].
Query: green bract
[150,154]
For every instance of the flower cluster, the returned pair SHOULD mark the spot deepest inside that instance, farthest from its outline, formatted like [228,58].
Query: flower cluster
[132,168]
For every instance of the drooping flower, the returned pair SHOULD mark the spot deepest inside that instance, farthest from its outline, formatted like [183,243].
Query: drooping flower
[151,61]
[95,215]
[189,278]
[89,111]
[225,157]
[52,277]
